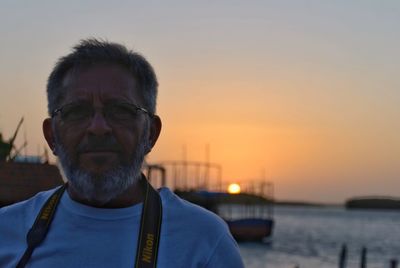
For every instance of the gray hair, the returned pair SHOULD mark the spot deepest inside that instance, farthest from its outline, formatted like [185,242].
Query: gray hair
[92,51]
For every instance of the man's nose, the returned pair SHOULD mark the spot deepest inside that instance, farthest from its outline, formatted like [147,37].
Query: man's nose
[99,125]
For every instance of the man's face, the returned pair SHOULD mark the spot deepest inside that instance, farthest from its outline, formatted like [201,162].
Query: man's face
[99,150]
[97,86]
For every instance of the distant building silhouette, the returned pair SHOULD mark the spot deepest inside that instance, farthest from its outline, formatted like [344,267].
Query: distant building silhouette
[20,181]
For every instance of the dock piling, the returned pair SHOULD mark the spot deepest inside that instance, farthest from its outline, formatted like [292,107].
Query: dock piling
[393,263]
[343,257]
[363,263]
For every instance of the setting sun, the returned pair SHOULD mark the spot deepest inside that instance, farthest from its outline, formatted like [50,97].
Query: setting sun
[234,188]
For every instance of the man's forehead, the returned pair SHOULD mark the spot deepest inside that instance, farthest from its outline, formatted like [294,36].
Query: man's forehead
[105,80]
[90,73]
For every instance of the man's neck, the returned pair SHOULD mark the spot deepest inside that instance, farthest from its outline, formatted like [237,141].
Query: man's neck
[131,196]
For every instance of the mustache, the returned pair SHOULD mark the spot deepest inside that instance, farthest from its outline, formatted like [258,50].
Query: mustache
[99,144]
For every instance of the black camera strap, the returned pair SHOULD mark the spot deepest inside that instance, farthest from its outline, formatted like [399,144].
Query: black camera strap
[41,225]
[150,228]
[149,236]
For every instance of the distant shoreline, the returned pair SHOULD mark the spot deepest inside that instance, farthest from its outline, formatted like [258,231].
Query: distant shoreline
[373,203]
[304,204]
[362,203]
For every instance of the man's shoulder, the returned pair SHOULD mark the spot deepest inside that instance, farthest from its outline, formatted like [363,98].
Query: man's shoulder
[187,212]
[17,218]
[26,207]
[201,235]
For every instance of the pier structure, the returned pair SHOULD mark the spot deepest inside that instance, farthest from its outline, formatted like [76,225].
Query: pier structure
[185,175]
[248,212]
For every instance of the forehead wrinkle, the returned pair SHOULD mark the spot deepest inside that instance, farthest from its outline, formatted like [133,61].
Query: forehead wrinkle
[126,94]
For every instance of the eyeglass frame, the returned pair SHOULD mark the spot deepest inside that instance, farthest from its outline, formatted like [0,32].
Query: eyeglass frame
[59,110]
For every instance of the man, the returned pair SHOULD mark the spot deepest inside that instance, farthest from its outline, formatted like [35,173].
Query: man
[101,99]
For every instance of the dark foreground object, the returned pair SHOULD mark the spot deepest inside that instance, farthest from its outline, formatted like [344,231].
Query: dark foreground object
[20,181]
[373,203]
[250,229]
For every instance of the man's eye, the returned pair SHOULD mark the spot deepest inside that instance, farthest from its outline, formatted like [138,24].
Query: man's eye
[76,113]
[121,112]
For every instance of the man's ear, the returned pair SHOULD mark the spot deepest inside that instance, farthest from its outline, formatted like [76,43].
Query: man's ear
[155,129]
[49,134]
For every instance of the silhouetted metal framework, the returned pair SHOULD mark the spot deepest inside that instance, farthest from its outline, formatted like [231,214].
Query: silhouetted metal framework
[191,175]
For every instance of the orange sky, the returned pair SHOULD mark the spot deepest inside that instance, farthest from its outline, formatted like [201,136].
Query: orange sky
[306,91]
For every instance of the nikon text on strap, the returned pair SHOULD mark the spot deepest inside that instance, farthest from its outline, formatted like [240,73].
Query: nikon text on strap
[149,236]
[150,227]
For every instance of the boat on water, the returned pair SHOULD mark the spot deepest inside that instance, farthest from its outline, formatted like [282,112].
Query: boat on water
[251,229]
[248,216]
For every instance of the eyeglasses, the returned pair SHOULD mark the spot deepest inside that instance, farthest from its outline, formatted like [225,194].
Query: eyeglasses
[117,113]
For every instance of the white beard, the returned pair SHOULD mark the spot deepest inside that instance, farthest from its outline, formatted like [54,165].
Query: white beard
[104,187]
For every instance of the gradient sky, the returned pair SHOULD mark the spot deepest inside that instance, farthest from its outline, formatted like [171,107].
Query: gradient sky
[307,91]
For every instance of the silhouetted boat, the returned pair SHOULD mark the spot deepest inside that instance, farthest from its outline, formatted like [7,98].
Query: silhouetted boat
[251,229]
[248,216]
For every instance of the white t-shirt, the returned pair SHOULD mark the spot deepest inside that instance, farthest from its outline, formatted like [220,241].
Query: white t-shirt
[84,236]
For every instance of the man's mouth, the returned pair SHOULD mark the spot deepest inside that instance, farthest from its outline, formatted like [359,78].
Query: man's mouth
[99,152]
[98,159]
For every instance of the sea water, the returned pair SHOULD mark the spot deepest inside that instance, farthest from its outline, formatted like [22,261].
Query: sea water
[308,237]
